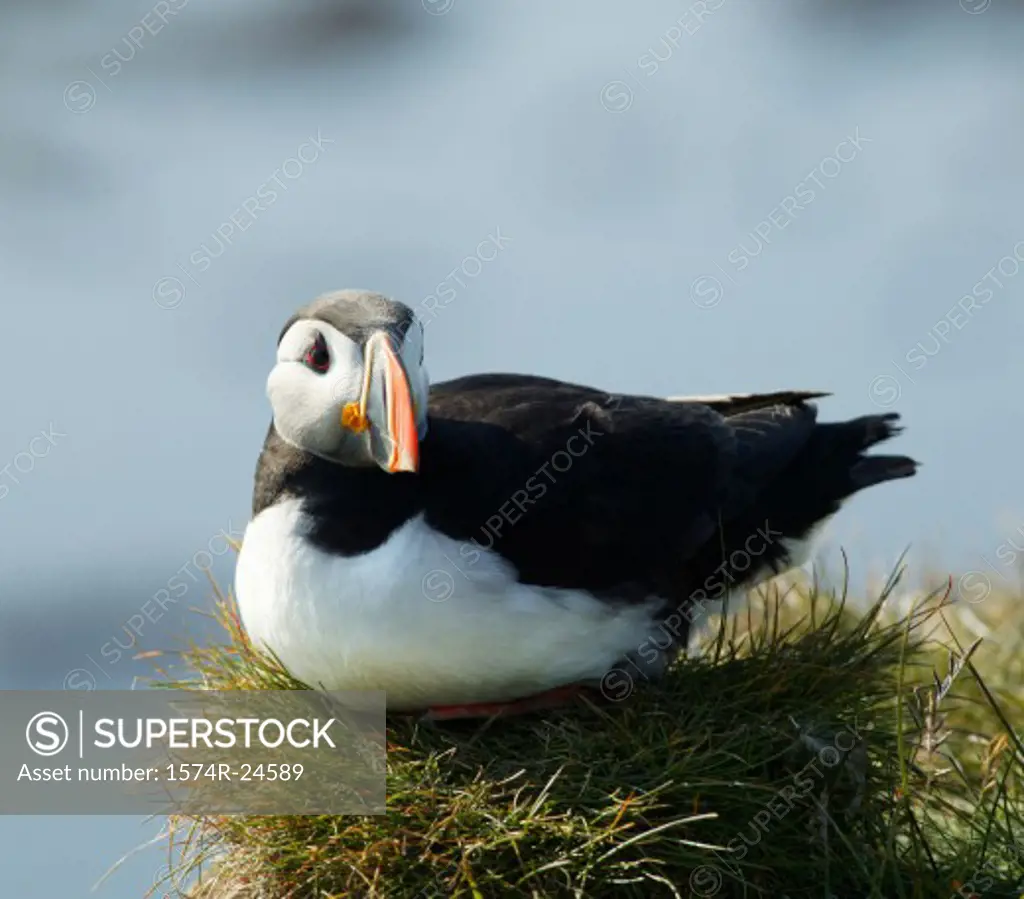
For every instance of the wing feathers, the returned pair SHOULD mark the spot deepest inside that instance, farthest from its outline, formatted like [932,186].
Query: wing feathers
[729,404]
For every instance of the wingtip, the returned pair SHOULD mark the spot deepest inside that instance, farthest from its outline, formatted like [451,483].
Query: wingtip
[800,395]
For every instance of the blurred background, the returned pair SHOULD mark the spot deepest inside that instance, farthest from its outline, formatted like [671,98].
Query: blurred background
[662,198]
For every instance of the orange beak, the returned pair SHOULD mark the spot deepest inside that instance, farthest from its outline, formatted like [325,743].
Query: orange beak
[387,406]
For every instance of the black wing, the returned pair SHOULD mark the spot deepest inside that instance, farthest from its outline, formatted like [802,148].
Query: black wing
[727,404]
[579,488]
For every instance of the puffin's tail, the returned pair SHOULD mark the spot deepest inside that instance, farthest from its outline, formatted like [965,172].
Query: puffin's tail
[776,532]
[830,468]
[845,444]
[869,470]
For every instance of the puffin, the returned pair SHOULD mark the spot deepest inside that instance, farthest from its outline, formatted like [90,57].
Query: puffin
[499,543]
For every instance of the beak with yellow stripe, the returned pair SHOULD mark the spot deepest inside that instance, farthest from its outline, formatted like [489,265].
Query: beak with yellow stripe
[385,408]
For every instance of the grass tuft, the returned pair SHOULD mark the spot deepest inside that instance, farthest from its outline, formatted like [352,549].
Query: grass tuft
[807,750]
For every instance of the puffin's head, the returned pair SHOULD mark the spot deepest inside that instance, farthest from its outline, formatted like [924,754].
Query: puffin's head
[349,384]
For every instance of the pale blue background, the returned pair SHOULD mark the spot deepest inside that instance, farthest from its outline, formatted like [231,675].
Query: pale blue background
[444,128]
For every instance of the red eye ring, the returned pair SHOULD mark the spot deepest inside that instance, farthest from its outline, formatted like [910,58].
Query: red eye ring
[317,357]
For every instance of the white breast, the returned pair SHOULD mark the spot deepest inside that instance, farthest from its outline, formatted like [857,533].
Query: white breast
[431,620]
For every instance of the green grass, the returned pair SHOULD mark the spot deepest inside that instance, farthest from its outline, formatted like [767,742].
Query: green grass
[807,751]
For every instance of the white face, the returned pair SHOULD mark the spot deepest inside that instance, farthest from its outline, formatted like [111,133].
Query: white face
[319,370]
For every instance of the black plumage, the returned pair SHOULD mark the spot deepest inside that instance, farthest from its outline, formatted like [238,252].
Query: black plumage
[626,497]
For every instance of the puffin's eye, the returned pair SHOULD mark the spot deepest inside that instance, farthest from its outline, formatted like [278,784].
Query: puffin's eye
[317,356]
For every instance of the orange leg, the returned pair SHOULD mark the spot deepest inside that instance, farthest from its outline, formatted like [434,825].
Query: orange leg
[549,699]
